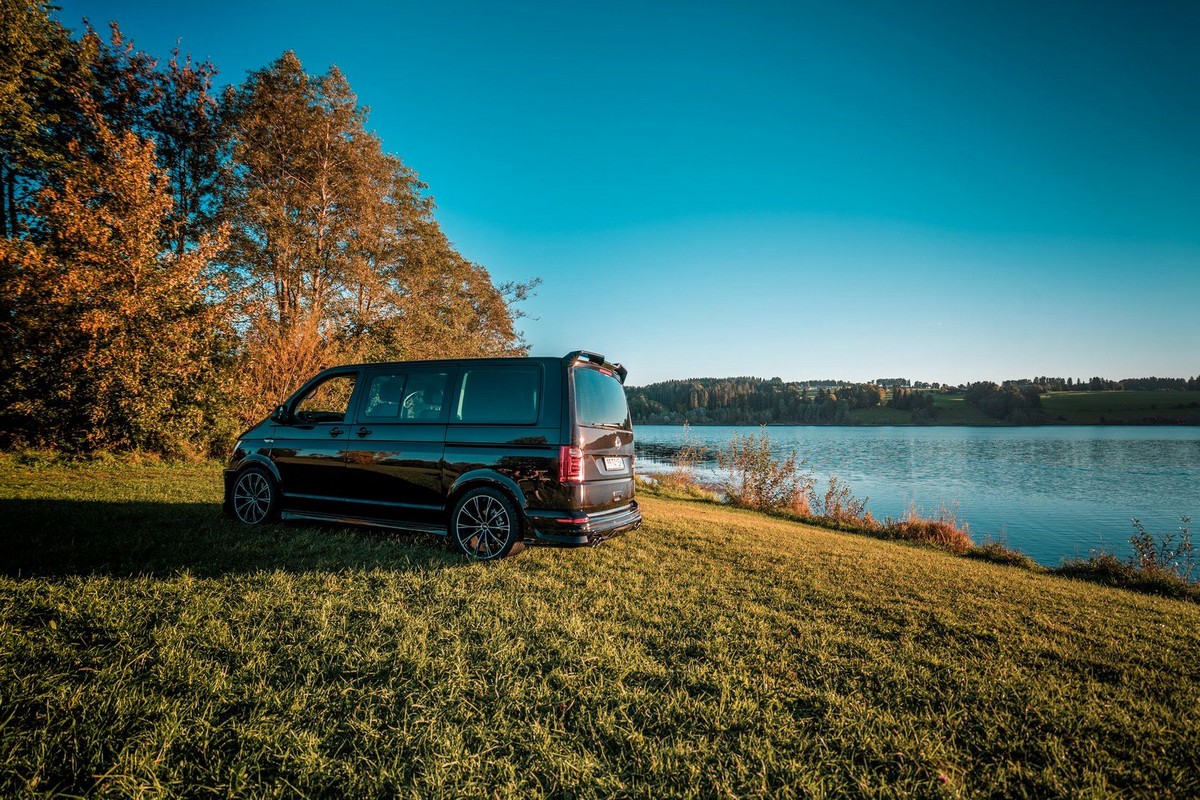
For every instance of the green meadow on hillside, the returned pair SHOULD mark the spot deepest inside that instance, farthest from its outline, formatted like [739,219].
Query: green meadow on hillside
[1073,408]
[1090,408]
[952,409]
[147,645]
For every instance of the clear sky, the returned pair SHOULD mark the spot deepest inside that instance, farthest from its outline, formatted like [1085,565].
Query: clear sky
[944,191]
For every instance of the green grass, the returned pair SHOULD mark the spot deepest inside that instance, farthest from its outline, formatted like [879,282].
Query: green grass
[1076,408]
[951,410]
[880,415]
[149,646]
[1117,407]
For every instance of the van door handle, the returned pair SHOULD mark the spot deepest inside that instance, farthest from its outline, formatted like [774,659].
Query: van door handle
[336,431]
[363,431]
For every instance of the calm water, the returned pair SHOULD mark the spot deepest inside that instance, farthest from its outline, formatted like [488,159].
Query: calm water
[1049,492]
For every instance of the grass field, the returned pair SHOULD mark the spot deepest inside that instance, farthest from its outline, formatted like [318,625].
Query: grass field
[952,409]
[1074,408]
[1117,407]
[149,646]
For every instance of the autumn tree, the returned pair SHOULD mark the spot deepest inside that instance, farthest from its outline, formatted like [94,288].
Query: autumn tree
[117,343]
[138,211]
[334,245]
[192,145]
[39,69]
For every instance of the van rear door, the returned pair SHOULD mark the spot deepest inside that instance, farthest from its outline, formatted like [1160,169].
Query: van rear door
[605,437]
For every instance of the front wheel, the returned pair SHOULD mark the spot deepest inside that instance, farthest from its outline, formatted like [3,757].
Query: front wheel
[485,525]
[255,497]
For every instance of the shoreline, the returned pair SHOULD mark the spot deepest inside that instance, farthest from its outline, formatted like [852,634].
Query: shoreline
[998,424]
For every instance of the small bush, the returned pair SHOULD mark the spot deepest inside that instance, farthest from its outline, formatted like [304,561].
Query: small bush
[1163,564]
[999,553]
[756,479]
[942,531]
[1107,569]
[841,507]
[1167,552]
[682,475]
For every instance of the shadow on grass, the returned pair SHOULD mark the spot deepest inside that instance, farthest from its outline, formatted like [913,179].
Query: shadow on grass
[60,538]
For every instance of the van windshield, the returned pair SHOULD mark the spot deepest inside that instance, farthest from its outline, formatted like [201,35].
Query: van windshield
[600,399]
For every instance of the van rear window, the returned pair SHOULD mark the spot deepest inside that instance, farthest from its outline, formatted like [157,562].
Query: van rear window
[599,399]
[499,396]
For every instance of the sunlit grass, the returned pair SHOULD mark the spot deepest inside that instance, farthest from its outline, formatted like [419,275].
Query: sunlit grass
[147,645]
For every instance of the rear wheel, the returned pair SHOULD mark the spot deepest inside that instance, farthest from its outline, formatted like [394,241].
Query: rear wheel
[255,497]
[485,525]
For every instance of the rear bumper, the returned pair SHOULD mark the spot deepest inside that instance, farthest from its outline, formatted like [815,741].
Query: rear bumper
[575,528]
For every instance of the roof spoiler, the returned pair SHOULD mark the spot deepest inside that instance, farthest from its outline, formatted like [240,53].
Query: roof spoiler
[598,359]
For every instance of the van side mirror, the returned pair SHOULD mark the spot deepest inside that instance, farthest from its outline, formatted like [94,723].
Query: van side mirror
[280,415]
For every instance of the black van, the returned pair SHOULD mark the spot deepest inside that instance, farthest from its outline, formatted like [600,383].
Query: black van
[493,452]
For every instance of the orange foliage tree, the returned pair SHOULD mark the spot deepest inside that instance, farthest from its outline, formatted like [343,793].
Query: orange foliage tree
[335,246]
[117,342]
[172,265]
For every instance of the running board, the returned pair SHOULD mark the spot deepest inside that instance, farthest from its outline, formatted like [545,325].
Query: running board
[343,519]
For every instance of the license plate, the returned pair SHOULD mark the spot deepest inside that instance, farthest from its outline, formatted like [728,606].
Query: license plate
[614,462]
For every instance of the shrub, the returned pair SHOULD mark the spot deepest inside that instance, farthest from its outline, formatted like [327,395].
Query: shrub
[682,475]
[1106,568]
[942,531]
[1163,564]
[999,553]
[1168,552]
[756,479]
[841,507]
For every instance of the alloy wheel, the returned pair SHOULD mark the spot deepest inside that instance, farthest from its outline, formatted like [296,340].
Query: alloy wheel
[483,527]
[252,497]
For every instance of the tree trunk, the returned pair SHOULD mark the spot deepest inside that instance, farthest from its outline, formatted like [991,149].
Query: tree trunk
[11,184]
[3,203]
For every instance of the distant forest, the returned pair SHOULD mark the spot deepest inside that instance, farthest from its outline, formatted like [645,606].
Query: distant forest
[759,401]
[749,401]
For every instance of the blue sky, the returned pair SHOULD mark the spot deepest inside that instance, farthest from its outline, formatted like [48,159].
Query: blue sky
[940,191]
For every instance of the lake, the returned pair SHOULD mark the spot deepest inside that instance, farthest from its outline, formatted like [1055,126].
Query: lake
[1050,492]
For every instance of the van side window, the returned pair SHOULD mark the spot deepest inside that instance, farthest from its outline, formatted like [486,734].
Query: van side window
[327,401]
[498,395]
[416,396]
[424,397]
[384,396]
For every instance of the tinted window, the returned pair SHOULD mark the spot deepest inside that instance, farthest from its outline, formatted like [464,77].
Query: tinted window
[327,401]
[499,395]
[599,399]
[383,397]
[424,397]
[405,397]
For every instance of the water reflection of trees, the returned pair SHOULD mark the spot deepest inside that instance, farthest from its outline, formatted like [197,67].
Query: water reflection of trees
[668,452]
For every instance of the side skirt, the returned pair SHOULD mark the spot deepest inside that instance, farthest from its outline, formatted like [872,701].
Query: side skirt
[343,519]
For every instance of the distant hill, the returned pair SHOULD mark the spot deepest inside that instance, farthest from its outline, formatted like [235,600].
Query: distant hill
[750,401]
[762,401]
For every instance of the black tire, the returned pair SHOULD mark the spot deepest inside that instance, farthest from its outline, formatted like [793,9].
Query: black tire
[254,499]
[485,525]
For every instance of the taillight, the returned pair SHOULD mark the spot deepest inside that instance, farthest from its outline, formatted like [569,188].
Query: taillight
[570,465]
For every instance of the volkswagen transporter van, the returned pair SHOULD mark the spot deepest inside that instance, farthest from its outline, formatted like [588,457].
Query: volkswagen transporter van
[492,452]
